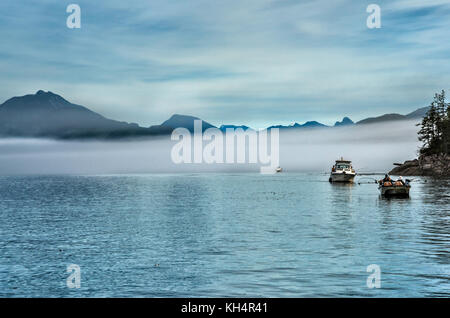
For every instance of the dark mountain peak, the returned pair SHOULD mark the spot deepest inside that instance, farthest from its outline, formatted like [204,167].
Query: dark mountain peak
[345,121]
[40,94]
[179,117]
[44,93]
[313,123]
[418,113]
[40,104]
[45,114]
[382,118]
[41,98]
[184,121]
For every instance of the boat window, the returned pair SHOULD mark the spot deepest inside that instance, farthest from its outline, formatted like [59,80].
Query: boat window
[342,166]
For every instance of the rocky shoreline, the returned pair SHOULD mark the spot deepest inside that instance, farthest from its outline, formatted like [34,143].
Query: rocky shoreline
[437,165]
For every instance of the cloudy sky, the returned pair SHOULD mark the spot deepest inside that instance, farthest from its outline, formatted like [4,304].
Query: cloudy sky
[254,62]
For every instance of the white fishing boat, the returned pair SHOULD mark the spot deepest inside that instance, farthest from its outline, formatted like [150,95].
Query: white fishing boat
[279,169]
[342,171]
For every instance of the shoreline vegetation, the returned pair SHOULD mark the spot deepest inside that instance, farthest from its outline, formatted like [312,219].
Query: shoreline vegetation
[434,155]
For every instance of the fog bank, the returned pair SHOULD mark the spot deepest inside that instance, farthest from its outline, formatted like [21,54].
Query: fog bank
[372,148]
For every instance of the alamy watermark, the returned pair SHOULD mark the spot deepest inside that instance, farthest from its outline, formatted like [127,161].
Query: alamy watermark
[374,279]
[74,19]
[74,279]
[229,147]
[374,19]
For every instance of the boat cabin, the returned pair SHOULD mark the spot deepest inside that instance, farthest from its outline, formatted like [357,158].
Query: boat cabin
[343,165]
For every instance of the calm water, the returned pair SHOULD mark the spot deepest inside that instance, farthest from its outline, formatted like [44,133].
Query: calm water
[288,235]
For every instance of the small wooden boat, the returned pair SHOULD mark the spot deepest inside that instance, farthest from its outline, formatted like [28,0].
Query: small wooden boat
[342,171]
[395,189]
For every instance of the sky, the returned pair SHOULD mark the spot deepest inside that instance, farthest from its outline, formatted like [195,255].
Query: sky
[252,62]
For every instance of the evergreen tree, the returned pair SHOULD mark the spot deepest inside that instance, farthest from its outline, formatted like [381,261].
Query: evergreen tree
[446,128]
[446,136]
[448,111]
[425,133]
[435,127]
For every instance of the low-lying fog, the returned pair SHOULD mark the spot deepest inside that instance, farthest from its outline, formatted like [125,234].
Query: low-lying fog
[372,148]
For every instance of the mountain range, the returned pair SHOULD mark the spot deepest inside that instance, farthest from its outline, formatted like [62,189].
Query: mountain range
[46,114]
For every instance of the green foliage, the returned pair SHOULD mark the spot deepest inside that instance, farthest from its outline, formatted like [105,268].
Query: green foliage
[435,127]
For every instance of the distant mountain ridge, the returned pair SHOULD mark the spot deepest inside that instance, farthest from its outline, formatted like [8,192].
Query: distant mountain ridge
[46,114]
[417,114]
[345,122]
[308,124]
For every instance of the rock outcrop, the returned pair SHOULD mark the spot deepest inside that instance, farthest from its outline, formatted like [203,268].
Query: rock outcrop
[437,165]
[408,168]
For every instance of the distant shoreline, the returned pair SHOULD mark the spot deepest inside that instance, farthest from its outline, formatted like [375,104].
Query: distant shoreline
[48,115]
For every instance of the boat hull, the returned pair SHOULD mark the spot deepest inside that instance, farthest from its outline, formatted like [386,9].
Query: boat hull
[342,177]
[395,191]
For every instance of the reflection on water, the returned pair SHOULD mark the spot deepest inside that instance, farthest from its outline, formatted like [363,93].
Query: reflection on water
[435,225]
[289,235]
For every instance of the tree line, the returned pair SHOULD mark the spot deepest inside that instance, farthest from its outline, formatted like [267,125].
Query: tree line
[435,127]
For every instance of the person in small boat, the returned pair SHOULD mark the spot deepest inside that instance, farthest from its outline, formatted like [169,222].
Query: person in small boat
[387,178]
[400,181]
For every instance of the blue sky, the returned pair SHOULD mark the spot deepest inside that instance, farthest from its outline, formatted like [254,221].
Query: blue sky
[253,62]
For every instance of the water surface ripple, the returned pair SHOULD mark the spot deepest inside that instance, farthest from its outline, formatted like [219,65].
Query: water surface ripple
[213,235]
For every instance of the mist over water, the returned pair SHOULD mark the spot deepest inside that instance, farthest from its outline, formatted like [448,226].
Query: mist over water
[372,148]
